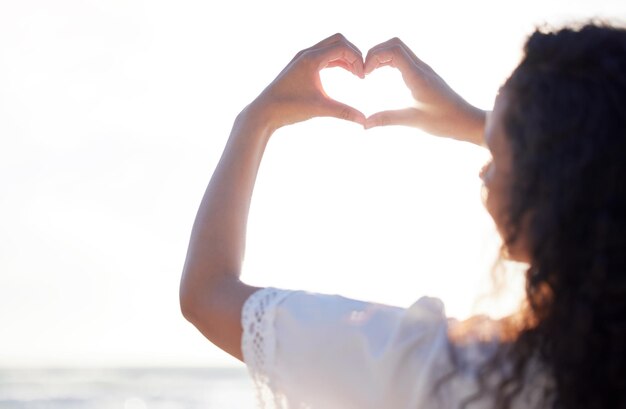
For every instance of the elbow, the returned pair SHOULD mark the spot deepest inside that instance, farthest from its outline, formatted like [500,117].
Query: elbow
[188,300]
[207,303]
[198,298]
[186,306]
[193,309]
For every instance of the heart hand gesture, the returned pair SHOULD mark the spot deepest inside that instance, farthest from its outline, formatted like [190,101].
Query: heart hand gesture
[438,110]
[297,93]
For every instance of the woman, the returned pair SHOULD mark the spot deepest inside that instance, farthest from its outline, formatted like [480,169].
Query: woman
[556,189]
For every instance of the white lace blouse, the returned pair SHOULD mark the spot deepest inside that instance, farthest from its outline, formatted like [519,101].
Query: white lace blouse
[316,351]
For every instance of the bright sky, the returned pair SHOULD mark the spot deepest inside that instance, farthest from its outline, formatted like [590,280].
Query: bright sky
[113,114]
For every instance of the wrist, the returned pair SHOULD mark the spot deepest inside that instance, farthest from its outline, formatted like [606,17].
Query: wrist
[478,129]
[257,118]
[475,125]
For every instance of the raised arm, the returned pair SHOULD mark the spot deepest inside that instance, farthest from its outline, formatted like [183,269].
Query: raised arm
[438,109]
[211,294]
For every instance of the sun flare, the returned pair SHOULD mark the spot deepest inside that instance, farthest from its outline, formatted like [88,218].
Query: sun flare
[383,89]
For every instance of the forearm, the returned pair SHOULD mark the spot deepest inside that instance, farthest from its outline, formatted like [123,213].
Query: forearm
[217,243]
[472,128]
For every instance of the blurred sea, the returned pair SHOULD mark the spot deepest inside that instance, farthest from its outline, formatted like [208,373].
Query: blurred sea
[126,388]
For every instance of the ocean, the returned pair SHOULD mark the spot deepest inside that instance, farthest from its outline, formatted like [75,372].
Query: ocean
[126,388]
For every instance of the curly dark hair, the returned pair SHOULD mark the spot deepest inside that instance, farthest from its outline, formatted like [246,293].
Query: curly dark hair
[566,125]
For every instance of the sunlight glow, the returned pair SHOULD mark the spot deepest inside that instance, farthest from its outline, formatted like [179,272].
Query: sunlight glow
[113,114]
[383,89]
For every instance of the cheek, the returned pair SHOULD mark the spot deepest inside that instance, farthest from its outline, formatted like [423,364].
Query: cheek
[492,199]
[495,203]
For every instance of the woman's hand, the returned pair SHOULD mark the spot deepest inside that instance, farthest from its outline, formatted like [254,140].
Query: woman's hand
[297,94]
[438,109]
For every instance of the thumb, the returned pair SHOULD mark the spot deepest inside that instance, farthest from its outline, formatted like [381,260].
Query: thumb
[407,117]
[343,111]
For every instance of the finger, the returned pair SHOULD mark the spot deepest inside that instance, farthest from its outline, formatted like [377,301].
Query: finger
[388,56]
[355,67]
[336,109]
[392,53]
[339,54]
[329,40]
[339,63]
[336,38]
[371,62]
[406,117]
[396,41]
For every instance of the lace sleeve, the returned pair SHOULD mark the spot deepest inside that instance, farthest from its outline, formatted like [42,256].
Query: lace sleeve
[259,340]
[318,351]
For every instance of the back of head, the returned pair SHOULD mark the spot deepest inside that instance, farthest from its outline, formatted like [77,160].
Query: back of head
[566,123]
